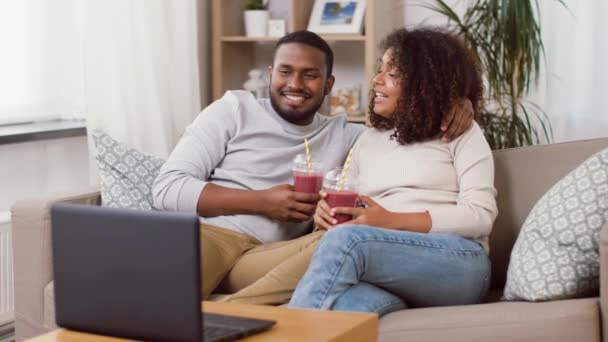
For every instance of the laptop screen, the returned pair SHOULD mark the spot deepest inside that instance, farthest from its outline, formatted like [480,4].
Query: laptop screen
[129,273]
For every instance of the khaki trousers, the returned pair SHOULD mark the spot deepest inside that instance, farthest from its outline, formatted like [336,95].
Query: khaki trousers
[253,272]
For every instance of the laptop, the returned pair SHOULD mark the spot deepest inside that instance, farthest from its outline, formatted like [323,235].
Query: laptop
[134,274]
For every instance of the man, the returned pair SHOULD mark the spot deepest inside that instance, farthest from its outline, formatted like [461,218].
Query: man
[232,167]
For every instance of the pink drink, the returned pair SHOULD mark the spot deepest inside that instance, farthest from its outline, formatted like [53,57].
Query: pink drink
[307,182]
[342,198]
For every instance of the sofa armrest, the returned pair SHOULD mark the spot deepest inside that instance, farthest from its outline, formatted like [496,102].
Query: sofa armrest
[31,231]
[604,281]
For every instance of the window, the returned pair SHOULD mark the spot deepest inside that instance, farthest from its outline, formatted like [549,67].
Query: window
[41,61]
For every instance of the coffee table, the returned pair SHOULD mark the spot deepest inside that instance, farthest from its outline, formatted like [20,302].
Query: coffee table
[292,325]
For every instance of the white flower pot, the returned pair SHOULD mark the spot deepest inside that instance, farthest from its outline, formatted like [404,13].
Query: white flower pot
[256,23]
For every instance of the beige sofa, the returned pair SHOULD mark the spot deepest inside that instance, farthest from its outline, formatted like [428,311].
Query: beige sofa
[522,176]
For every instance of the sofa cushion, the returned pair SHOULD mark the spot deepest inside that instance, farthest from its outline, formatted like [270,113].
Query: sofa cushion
[556,255]
[126,174]
[567,320]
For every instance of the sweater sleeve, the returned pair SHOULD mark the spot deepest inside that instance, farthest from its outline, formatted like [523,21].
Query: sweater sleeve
[202,147]
[475,210]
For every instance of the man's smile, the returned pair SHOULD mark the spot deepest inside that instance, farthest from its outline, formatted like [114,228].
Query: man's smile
[294,98]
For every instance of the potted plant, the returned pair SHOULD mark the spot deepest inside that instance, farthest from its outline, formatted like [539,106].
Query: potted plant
[256,18]
[506,37]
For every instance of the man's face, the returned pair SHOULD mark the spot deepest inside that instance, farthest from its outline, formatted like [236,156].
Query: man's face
[298,82]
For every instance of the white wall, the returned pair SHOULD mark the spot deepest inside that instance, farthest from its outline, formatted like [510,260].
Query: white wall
[40,168]
[415,14]
[33,170]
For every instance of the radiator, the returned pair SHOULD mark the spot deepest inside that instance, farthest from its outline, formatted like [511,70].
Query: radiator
[7,298]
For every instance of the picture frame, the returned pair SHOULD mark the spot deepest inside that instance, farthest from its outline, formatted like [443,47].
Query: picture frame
[276,28]
[337,17]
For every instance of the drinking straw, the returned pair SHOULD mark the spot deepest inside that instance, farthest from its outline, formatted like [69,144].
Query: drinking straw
[308,163]
[344,170]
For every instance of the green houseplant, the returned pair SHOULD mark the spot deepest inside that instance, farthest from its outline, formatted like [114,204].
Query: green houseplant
[506,37]
[255,5]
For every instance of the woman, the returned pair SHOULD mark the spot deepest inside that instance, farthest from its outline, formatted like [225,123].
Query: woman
[422,239]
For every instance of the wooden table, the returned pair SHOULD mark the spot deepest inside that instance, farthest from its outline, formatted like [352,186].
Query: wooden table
[292,325]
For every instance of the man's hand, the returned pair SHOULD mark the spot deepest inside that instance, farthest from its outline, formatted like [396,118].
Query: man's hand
[283,204]
[458,120]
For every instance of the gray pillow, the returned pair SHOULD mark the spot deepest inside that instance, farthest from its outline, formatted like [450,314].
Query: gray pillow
[126,174]
[556,255]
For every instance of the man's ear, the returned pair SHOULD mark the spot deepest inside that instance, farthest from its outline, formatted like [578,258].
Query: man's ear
[329,84]
[269,70]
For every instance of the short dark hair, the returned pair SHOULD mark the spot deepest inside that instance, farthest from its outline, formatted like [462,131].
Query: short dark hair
[310,39]
[435,69]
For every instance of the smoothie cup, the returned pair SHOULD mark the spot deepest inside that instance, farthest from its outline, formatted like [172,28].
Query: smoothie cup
[339,194]
[305,180]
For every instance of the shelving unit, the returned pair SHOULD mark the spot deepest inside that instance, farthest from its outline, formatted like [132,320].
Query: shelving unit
[234,54]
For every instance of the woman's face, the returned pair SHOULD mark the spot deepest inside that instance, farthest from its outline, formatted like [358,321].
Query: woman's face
[386,87]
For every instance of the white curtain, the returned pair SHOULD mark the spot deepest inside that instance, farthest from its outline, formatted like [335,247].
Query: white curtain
[573,89]
[41,74]
[131,67]
[141,70]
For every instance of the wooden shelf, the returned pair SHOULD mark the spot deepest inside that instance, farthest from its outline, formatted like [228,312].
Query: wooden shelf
[357,119]
[243,39]
[327,37]
[344,37]
[234,54]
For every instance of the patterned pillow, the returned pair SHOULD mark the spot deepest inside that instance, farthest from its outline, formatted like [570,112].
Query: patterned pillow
[126,174]
[556,255]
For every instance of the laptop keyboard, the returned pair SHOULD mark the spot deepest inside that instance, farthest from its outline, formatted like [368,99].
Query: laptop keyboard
[223,328]
[220,333]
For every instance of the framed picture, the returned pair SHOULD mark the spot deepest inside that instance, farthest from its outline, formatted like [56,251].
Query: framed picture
[331,16]
[276,28]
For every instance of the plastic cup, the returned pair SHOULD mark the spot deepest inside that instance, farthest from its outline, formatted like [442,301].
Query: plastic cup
[339,196]
[305,180]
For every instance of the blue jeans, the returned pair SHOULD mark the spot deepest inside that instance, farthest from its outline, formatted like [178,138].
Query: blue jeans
[368,269]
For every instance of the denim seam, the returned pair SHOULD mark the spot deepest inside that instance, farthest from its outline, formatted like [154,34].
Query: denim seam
[386,304]
[335,274]
[411,242]
[376,238]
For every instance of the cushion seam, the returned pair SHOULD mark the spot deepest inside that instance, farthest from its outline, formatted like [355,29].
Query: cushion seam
[494,324]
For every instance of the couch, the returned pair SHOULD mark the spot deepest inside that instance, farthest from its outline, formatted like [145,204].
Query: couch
[522,176]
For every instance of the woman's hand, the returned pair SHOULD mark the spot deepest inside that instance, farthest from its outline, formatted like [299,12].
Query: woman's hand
[374,215]
[323,215]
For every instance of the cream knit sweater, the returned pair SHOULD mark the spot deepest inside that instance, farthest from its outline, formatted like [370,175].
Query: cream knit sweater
[453,181]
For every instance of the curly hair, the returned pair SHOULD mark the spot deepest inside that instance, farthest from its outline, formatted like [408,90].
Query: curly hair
[434,69]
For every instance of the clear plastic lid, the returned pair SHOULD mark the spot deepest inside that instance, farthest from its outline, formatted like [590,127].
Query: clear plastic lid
[299,164]
[335,180]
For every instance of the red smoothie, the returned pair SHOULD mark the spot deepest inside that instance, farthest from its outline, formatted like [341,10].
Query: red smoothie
[344,198]
[307,182]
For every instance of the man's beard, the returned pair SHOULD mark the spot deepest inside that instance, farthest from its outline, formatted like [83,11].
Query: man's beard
[294,115]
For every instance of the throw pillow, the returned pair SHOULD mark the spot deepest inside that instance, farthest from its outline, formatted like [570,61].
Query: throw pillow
[556,255]
[126,174]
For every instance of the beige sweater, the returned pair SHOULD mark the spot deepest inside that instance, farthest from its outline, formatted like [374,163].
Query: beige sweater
[453,181]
